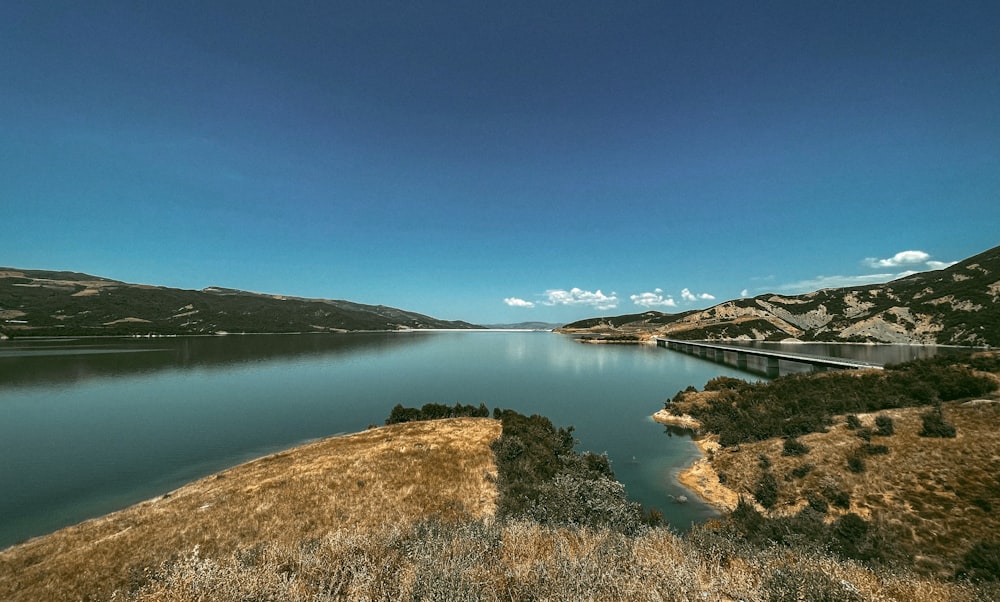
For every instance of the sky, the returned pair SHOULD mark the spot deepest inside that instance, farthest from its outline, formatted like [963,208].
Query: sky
[499,162]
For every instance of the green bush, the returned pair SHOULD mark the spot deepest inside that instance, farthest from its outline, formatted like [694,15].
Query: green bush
[543,478]
[836,496]
[435,411]
[884,426]
[935,426]
[794,447]
[873,450]
[852,538]
[766,491]
[817,503]
[856,463]
[853,422]
[800,471]
[720,383]
[981,562]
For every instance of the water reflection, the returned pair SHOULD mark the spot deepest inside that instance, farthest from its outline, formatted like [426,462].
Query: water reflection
[47,362]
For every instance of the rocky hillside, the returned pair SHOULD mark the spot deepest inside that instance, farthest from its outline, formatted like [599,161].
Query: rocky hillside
[959,305]
[44,303]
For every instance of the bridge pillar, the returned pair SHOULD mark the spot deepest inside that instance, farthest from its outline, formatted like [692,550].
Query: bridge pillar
[720,356]
[772,367]
[703,352]
[741,360]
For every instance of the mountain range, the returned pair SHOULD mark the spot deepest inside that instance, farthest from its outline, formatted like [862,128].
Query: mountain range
[957,305]
[49,303]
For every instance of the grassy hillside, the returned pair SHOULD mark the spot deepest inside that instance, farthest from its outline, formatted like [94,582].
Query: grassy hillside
[906,457]
[42,303]
[386,478]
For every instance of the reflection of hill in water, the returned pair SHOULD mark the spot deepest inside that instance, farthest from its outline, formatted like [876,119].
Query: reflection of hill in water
[48,362]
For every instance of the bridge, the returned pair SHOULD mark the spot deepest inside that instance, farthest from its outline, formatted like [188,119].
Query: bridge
[718,353]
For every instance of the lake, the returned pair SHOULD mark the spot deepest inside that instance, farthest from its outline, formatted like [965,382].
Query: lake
[90,426]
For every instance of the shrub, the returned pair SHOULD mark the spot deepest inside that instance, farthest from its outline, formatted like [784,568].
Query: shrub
[981,563]
[434,411]
[884,426]
[837,497]
[853,422]
[817,503]
[935,426]
[794,447]
[856,463]
[801,471]
[797,583]
[720,383]
[851,538]
[543,478]
[865,434]
[764,462]
[767,490]
[874,450]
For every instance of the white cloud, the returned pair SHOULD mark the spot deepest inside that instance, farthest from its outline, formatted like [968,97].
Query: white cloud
[653,299]
[575,296]
[821,282]
[940,265]
[515,302]
[899,259]
[688,296]
[914,262]
[745,293]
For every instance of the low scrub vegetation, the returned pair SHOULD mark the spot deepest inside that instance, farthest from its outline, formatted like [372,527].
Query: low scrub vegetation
[522,560]
[922,479]
[542,478]
[796,405]
[435,411]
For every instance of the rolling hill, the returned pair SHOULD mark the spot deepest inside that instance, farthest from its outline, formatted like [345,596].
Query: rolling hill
[958,305]
[48,303]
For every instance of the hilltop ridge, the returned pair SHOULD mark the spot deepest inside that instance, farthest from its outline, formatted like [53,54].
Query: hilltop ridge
[52,303]
[957,305]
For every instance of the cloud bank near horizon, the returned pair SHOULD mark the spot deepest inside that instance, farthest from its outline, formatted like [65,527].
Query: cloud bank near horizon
[914,261]
[576,296]
[653,299]
[598,300]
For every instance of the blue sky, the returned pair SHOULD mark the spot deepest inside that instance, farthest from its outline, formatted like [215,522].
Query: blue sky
[499,162]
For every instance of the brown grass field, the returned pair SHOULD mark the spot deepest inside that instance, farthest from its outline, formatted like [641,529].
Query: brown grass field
[389,476]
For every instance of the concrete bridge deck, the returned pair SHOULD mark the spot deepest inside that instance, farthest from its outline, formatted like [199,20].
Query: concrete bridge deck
[717,352]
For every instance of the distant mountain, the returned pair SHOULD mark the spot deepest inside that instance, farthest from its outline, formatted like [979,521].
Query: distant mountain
[44,303]
[959,305]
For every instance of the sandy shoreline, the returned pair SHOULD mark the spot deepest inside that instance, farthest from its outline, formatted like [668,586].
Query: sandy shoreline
[700,477]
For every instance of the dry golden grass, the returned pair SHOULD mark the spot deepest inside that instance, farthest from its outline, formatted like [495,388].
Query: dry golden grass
[931,492]
[377,479]
[526,561]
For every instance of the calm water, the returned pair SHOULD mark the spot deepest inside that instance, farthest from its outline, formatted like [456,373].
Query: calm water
[92,425]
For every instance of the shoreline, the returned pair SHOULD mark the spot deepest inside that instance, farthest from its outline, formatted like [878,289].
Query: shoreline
[700,476]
